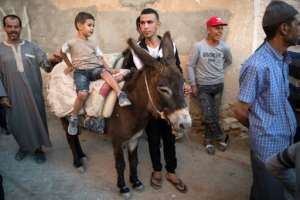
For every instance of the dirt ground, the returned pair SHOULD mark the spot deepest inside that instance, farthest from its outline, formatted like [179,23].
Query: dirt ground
[224,176]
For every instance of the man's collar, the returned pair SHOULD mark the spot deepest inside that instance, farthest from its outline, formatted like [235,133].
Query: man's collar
[9,44]
[282,57]
[144,45]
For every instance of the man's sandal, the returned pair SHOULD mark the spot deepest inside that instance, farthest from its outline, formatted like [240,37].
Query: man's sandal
[155,182]
[179,185]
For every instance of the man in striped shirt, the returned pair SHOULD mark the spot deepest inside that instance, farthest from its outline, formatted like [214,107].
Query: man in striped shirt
[263,97]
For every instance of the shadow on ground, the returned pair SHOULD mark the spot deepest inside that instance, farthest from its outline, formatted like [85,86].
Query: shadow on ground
[225,176]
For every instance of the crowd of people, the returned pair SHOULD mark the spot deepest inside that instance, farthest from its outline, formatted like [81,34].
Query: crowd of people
[266,93]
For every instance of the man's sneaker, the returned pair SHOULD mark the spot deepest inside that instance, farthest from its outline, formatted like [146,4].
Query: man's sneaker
[123,99]
[73,126]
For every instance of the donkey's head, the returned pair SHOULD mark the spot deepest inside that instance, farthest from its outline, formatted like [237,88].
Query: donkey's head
[164,84]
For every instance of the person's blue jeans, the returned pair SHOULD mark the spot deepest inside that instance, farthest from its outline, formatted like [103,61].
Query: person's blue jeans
[210,98]
[83,77]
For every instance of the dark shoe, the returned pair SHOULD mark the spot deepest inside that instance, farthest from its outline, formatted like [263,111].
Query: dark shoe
[20,155]
[155,181]
[123,99]
[73,126]
[223,144]
[138,186]
[39,156]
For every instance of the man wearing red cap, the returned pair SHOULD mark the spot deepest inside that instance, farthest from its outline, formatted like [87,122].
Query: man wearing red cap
[206,72]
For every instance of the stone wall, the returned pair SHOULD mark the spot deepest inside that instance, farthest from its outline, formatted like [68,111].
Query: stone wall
[50,22]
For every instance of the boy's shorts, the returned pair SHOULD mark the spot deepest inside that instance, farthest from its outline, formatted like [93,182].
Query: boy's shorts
[83,77]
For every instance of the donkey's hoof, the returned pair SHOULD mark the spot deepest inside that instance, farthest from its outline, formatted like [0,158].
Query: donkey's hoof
[81,169]
[138,186]
[125,193]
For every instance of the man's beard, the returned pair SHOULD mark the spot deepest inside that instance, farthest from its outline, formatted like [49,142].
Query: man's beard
[292,41]
[13,35]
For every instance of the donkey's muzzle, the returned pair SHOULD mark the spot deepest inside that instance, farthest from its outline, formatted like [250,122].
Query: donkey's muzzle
[180,119]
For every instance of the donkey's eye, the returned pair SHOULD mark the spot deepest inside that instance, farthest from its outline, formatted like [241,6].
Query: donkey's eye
[165,90]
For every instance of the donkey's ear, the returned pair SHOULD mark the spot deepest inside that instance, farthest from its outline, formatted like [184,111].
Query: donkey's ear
[167,46]
[142,54]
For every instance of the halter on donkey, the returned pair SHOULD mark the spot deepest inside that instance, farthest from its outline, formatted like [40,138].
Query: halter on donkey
[155,91]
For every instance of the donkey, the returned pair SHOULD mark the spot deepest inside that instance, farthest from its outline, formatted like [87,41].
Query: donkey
[155,91]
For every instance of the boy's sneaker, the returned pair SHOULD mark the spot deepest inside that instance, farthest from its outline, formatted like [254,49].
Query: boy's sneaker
[123,99]
[73,126]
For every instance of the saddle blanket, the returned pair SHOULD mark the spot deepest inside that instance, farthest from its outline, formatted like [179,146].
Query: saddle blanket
[61,92]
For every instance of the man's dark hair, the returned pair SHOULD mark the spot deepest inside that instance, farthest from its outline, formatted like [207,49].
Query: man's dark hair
[11,17]
[276,14]
[82,17]
[150,11]
[137,22]
[271,31]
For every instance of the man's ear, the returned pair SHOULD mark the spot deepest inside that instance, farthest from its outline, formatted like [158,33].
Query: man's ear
[158,24]
[284,29]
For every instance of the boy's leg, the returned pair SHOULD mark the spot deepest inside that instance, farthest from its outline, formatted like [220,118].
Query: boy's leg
[82,86]
[105,75]
[79,101]
[207,106]
[221,138]
[122,96]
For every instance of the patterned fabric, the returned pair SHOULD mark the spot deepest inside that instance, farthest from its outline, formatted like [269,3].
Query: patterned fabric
[264,86]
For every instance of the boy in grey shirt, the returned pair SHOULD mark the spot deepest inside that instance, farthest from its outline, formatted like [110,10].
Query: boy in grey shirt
[206,73]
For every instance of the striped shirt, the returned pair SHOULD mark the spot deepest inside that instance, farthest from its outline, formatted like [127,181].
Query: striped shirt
[264,86]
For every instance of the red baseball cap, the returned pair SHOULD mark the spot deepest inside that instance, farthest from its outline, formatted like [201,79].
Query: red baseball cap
[215,21]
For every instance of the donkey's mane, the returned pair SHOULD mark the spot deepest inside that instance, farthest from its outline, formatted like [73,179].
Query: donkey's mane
[131,82]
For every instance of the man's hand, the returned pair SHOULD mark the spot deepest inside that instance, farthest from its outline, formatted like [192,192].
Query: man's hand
[55,57]
[4,101]
[194,90]
[241,113]
[187,89]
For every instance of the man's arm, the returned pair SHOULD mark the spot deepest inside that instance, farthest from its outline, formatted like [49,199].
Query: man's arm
[4,100]
[241,112]
[45,61]
[227,57]
[192,63]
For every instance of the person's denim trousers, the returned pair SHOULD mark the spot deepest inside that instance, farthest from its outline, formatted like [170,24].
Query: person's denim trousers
[210,98]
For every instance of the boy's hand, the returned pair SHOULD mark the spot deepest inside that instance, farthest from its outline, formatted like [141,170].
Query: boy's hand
[68,70]
[4,101]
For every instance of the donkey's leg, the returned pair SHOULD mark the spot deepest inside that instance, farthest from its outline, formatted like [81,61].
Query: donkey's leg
[120,167]
[74,144]
[133,163]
